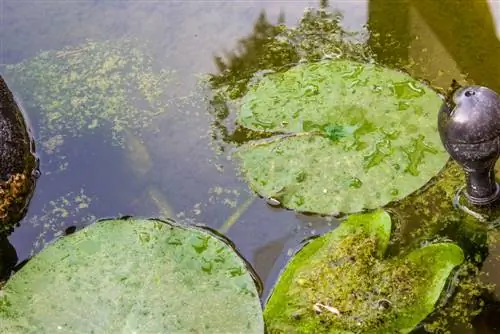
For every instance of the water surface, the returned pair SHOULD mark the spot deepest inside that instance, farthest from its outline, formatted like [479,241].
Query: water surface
[175,170]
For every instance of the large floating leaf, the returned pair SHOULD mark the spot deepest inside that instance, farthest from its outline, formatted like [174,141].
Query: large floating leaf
[133,276]
[344,276]
[356,136]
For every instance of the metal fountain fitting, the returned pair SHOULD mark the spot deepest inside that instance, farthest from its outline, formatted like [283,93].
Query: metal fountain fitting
[469,126]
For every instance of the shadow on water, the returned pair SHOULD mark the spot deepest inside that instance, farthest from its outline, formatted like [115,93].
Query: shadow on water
[455,33]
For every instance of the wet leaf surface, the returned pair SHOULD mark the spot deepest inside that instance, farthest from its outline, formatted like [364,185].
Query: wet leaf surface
[133,276]
[347,136]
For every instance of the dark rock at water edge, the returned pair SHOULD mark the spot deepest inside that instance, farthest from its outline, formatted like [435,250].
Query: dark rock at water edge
[18,162]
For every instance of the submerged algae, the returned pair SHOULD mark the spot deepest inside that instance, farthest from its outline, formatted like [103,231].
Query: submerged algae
[430,214]
[464,303]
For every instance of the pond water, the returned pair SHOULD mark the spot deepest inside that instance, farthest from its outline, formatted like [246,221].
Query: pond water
[173,163]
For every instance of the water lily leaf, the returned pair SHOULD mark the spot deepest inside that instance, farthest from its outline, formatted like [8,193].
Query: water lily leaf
[133,276]
[356,136]
[342,283]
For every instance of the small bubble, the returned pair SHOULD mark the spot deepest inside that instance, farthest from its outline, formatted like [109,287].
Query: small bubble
[36,173]
[311,90]
[355,183]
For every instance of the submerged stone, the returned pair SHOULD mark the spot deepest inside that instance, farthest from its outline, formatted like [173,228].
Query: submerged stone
[18,163]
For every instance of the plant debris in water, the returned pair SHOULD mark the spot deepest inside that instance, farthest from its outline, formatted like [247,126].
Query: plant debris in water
[468,300]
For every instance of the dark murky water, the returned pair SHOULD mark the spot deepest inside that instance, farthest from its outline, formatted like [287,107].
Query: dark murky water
[174,171]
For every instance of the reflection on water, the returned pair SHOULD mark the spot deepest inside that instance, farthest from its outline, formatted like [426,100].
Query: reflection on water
[179,165]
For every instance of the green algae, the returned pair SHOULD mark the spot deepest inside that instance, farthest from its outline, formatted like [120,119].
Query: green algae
[465,304]
[429,215]
[346,271]
[111,85]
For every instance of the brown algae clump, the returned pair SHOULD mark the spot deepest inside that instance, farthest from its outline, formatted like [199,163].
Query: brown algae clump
[13,194]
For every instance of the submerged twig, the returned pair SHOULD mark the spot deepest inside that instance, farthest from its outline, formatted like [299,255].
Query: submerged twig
[457,205]
[237,214]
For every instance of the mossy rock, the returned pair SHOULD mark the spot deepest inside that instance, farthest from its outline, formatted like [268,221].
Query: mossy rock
[341,282]
[344,136]
[18,162]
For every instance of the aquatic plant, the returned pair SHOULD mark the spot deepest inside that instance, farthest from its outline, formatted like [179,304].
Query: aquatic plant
[346,136]
[343,282]
[130,275]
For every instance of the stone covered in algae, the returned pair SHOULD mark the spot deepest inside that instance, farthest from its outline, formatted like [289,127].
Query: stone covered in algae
[112,85]
[346,136]
[341,282]
[18,163]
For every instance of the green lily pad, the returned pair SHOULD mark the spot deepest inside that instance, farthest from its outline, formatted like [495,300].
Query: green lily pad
[345,137]
[133,276]
[344,275]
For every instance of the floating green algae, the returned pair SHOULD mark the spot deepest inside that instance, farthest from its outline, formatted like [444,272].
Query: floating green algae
[341,282]
[349,126]
[112,85]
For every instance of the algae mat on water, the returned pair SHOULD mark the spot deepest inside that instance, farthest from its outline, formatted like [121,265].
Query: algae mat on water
[341,283]
[346,136]
[133,276]
[110,85]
